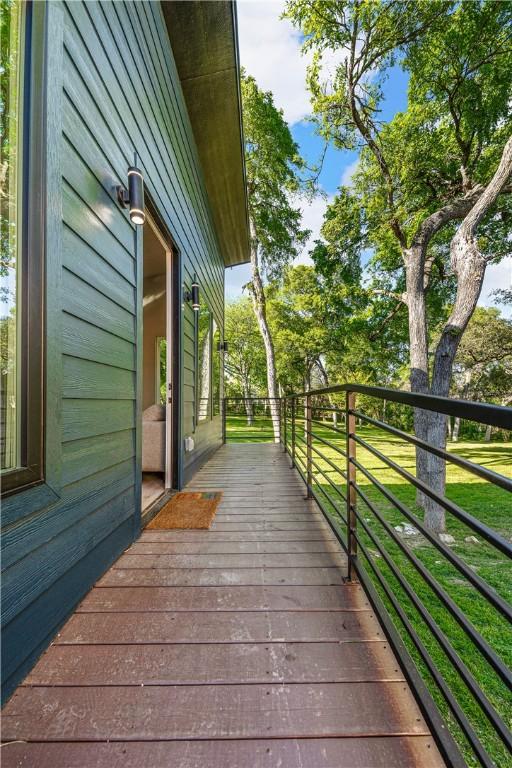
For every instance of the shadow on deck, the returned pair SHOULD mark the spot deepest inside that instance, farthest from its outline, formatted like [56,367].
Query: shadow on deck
[238,647]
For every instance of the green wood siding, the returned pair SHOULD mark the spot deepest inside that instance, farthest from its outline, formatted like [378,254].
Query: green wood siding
[114,91]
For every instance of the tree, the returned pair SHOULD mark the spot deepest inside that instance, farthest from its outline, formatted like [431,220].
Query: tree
[273,167]
[244,365]
[426,169]
[483,365]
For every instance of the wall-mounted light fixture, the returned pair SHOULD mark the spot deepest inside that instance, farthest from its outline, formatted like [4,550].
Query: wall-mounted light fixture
[193,295]
[223,346]
[133,197]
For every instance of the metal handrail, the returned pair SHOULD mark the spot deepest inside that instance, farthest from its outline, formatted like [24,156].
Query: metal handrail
[483,413]
[332,480]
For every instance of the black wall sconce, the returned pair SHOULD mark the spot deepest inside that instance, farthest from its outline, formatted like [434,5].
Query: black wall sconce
[133,197]
[193,295]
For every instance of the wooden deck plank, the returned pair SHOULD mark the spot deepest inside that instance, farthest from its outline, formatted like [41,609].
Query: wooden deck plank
[387,752]
[156,576]
[221,627]
[269,525]
[215,536]
[214,547]
[213,663]
[211,711]
[237,646]
[235,560]
[265,598]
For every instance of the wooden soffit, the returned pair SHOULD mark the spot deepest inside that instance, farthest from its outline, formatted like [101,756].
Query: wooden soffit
[203,35]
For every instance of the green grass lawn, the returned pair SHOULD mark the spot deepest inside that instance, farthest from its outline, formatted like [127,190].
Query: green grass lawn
[484,501]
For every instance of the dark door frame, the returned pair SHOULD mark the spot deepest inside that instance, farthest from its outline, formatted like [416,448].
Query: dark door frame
[176,336]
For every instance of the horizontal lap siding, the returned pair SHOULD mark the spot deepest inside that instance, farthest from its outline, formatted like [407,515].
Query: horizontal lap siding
[120,94]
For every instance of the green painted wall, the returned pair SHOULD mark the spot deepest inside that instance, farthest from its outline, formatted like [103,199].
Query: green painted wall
[112,89]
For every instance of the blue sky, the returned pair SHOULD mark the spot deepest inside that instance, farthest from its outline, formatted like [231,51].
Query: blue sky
[270,50]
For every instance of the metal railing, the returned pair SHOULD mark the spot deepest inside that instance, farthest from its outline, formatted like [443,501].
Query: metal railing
[446,642]
[251,419]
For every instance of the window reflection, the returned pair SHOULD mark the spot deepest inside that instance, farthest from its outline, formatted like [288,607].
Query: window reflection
[10,310]
[204,345]
[216,370]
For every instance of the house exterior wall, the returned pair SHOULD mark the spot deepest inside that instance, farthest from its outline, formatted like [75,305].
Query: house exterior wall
[111,90]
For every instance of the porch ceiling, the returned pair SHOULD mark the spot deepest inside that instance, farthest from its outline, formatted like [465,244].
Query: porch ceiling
[204,41]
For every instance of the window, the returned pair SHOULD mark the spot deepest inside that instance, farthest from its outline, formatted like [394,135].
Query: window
[216,370]
[21,266]
[204,355]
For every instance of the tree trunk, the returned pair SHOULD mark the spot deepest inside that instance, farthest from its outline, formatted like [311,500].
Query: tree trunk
[259,305]
[248,404]
[418,353]
[488,433]
[468,264]
[325,382]
[456,429]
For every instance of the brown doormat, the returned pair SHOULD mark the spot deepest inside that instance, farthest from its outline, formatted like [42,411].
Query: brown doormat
[187,509]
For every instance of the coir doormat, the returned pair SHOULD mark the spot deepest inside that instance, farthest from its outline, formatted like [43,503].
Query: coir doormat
[187,509]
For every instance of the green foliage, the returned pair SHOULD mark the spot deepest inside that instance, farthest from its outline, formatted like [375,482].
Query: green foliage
[244,364]
[483,366]
[274,168]
[366,38]
[449,139]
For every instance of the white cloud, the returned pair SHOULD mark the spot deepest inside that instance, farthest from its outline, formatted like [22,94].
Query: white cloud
[270,51]
[312,219]
[348,172]
[497,276]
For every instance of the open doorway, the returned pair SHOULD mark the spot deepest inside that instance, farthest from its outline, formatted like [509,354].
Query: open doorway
[159,356]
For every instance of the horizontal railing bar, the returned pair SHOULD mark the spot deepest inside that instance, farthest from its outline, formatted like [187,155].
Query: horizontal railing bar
[485,649]
[496,600]
[323,491]
[328,518]
[448,649]
[301,449]
[330,408]
[328,443]
[330,426]
[439,680]
[487,533]
[331,463]
[250,399]
[484,413]
[331,501]
[476,469]
[333,484]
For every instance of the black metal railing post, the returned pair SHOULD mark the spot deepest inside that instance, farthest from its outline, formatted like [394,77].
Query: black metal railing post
[293,432]
[283,411]
[350,421]
[309,438]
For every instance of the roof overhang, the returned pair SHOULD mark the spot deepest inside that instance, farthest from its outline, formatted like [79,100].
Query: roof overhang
[203,35]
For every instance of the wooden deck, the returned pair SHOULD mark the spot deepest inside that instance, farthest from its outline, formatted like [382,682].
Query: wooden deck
[238,647]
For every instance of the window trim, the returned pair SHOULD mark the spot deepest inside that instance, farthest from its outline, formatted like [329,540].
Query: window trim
[33,217]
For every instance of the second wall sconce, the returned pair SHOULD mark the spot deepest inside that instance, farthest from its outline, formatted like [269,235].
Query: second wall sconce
[133,197]
[193,295]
